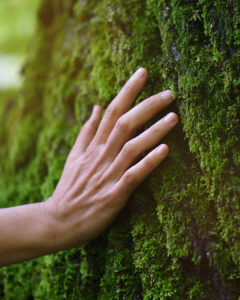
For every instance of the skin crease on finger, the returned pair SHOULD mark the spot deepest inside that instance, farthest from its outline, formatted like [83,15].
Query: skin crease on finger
[95,186]
[99,175]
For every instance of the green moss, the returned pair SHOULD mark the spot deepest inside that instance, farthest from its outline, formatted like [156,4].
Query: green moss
[120,279]
[179,235]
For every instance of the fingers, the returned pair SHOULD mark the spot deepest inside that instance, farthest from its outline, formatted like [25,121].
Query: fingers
[121,103]
[135,118]
[136,174]
[145,141]
[88,131]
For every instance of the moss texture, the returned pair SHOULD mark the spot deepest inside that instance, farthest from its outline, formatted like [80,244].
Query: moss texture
[179,235]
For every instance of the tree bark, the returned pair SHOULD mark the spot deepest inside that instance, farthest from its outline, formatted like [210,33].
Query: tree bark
[179,235]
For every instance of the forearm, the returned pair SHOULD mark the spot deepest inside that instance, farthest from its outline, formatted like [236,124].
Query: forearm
[24,234]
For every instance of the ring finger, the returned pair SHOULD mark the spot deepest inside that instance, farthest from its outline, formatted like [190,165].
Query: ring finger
[145,141]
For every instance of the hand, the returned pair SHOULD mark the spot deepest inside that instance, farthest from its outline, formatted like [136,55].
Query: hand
[99,174]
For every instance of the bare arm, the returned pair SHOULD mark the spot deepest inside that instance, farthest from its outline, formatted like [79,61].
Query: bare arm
[24,234]
[98,178]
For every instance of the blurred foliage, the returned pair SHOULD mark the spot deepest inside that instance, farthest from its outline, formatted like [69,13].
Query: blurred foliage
[17,24]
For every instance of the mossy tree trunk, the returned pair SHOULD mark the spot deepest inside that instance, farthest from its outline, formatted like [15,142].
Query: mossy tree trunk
[179,235]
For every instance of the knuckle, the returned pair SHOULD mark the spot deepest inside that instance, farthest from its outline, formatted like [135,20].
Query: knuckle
[130,178]
[128,88]
[112,111]
[128,149]
[161,98]
[122,125]
[156,130]
[151,104]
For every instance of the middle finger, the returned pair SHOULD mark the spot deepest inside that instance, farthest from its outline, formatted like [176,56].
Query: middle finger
[120,104]
[133,119]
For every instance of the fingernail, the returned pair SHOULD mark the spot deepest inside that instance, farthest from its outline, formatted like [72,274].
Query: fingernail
[171,118]
[162,149]
[167,95]
[140,73]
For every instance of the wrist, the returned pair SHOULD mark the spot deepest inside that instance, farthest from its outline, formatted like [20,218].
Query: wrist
[50,227]
[64,227]
[58,229]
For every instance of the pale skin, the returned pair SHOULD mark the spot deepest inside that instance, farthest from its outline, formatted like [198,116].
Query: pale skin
[100,173]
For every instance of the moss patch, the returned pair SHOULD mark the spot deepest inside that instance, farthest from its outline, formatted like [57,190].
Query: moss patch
[178,237]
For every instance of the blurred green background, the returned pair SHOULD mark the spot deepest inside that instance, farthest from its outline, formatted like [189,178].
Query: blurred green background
[17,24]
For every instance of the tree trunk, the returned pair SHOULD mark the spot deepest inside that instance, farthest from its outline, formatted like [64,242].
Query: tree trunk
[179,235]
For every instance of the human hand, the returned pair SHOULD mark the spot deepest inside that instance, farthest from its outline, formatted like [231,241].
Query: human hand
[99,174]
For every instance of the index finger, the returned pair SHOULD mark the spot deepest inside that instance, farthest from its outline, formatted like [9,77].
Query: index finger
[120,104]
